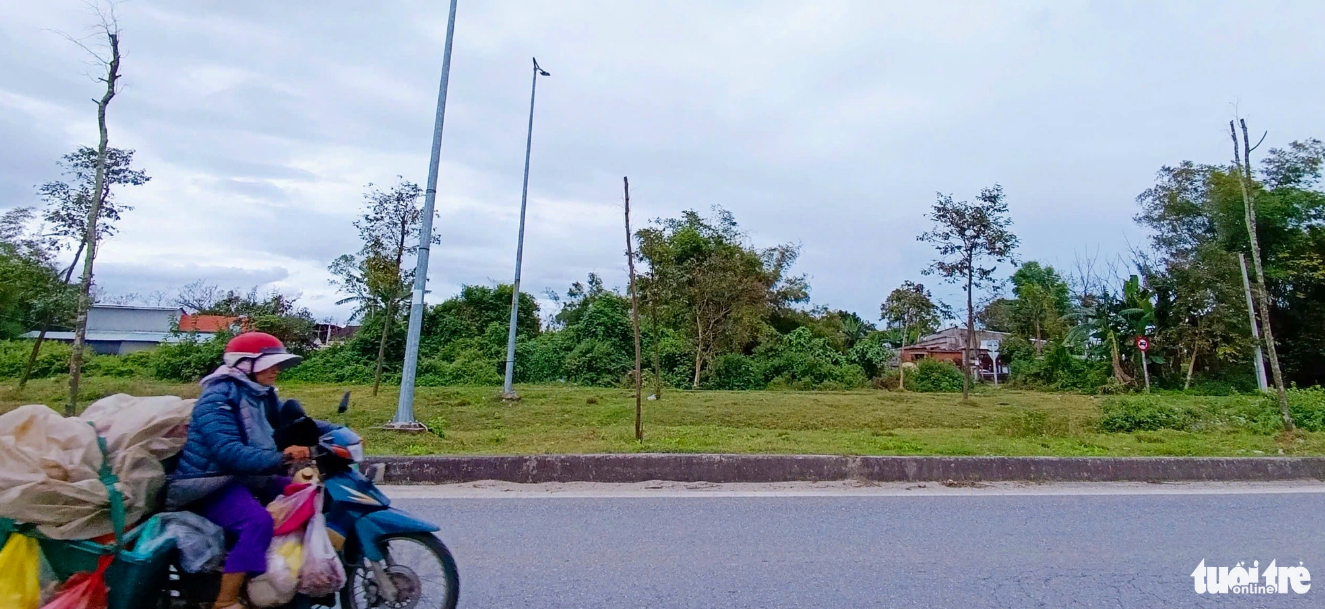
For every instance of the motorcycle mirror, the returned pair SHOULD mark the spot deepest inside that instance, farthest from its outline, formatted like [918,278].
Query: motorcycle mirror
[344,403]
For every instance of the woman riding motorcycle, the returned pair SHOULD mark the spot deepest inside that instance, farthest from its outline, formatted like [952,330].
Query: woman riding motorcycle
[231,465]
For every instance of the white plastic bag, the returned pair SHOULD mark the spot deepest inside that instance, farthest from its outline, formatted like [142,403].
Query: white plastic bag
[285,559]
[323,572]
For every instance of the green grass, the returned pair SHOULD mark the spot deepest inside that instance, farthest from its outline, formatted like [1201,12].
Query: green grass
[559,419]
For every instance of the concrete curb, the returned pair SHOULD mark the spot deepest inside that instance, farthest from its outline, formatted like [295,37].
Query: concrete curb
[814,468]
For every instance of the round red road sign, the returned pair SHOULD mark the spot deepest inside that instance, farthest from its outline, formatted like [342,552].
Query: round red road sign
[1143,343]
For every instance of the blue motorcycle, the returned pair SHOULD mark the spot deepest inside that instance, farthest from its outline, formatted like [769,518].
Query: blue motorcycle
[392,559]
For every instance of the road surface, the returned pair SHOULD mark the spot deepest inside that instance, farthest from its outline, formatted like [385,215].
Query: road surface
[899,546]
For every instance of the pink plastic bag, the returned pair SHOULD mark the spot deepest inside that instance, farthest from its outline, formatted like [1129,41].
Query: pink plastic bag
[83,590]
[293,509]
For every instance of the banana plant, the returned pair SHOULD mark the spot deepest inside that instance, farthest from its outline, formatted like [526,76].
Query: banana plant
[1101,321]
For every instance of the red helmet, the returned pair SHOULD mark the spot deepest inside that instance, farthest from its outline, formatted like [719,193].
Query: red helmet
[262,349]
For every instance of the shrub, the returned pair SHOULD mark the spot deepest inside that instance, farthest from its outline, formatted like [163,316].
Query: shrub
[936,376]
[53,359]
[1058,369]
[1145,413]
[120,366]
[468,368]
[1307,407]
[598,363]
[334,364]
[871,353]
[187,360]
[800,360]
[541,360]
[734,371]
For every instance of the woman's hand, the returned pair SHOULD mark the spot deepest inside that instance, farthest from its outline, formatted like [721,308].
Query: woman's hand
[297,453]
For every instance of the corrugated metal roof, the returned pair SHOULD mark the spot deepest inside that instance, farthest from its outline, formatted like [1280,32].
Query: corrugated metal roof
[130,337]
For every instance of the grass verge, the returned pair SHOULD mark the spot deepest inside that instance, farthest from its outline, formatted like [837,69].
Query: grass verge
[564,419]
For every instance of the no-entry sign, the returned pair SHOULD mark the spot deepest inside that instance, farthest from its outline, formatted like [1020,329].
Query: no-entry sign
[1143,343]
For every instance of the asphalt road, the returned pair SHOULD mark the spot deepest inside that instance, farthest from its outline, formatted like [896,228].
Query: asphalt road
[959,551]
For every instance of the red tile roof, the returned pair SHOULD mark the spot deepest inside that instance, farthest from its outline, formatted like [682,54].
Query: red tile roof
[205,323]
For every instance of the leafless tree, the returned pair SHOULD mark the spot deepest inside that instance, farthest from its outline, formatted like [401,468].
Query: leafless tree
[107,57]
[1242,166]
[199,295]
[634,314]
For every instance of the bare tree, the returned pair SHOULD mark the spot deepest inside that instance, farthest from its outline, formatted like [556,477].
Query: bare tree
[199,295]
[1242,166]
[109,58]
[634,314]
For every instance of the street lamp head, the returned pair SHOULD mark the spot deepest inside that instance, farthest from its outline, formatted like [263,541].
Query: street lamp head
[539,69]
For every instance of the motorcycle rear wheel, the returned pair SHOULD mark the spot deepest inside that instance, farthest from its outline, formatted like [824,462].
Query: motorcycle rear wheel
[419,565]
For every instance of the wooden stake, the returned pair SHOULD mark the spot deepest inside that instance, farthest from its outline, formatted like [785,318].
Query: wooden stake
[634,313]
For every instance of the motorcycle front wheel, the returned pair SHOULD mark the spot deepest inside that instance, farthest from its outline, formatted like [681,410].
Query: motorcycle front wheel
[420,569]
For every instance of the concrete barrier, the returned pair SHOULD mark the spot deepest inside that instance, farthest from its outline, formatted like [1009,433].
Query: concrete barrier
[789,468]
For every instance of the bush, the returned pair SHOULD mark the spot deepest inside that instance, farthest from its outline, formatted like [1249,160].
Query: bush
[734,371]
[891,379]
[53,359]
[1058,369]
[598,363]
[119,366]
[800,360]
[936,377]
[1146,413]
[541,360]
[468,368]
[334,364]
[1307,407]
[187,360]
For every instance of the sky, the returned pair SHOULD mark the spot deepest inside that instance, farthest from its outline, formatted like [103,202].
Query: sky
[831,125]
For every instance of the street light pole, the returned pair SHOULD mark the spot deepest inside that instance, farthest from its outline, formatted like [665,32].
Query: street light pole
[404,419]
[507,391]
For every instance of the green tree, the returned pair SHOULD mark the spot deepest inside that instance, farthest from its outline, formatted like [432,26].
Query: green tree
[30,286]
[967,235]
[377,281]
[1197,219]
[273,312]
[718,289]
[913,310]
[1042,301]
[69,205]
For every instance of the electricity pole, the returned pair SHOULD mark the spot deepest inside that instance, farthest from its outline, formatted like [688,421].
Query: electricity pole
[404,419]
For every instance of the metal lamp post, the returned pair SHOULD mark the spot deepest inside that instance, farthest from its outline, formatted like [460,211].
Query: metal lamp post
[404,419]
[507,391]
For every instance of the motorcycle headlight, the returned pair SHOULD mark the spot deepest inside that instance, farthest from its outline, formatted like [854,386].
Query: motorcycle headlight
[356,452]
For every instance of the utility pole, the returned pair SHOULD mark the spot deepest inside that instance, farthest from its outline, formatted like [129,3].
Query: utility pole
[508,393]
[1261,383]
[404,419]
[634,314]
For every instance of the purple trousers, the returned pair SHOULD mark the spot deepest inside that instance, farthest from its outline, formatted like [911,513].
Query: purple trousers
[238,512]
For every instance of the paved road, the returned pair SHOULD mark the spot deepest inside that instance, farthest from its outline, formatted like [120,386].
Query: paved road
[959,551]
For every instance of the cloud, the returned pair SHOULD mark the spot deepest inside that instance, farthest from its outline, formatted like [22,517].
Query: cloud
[827,124]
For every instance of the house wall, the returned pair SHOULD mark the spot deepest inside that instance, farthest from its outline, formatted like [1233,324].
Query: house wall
[944,356]
[125,319]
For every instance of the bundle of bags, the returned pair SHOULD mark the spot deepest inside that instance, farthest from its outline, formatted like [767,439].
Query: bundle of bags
[49,464]
[28,582]
[301,558]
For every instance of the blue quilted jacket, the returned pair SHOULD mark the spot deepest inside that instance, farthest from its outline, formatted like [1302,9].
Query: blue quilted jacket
[231,438]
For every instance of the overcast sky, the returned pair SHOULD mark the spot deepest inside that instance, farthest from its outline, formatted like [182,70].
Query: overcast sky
[829,124]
